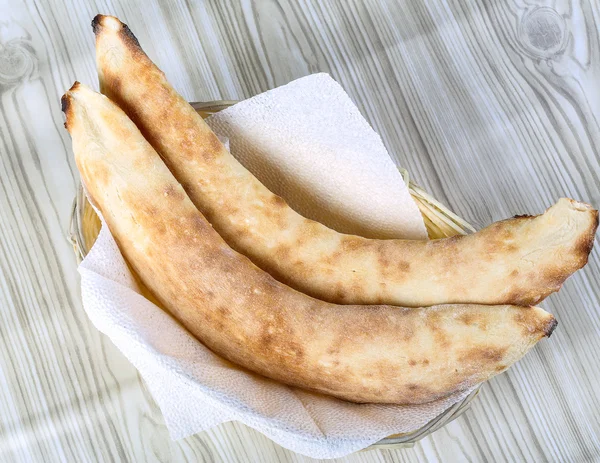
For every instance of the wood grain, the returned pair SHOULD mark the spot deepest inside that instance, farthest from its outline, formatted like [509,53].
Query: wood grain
[494,106]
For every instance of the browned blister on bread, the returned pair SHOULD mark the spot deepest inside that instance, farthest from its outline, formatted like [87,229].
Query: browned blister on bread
[517,261]
[379,354]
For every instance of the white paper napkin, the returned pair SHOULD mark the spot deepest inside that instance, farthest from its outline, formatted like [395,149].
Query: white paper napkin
[196,389]
[308,143]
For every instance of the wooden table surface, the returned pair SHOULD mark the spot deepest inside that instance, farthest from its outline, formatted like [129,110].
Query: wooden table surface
[493,106]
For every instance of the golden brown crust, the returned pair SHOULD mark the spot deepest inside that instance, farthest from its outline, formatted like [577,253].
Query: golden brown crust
[100,21]
[517,261]
[379,354]
[64,104]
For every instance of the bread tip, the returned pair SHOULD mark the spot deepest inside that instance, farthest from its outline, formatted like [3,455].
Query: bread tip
[575,205]
[65,101]
[102,21]
[594,213]
[550,327]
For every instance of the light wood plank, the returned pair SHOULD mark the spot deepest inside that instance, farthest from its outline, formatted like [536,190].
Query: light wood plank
[484,102]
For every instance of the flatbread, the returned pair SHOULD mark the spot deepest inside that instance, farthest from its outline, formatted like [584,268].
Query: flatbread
[517,261]
[378,354]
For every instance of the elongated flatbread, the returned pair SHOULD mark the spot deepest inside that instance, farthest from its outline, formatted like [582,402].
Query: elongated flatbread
[518,261]
[380,354]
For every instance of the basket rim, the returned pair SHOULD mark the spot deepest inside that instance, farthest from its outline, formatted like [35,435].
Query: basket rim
[80,247]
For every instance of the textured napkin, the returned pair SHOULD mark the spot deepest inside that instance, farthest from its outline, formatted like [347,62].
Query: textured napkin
[308,143]
[196,389]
